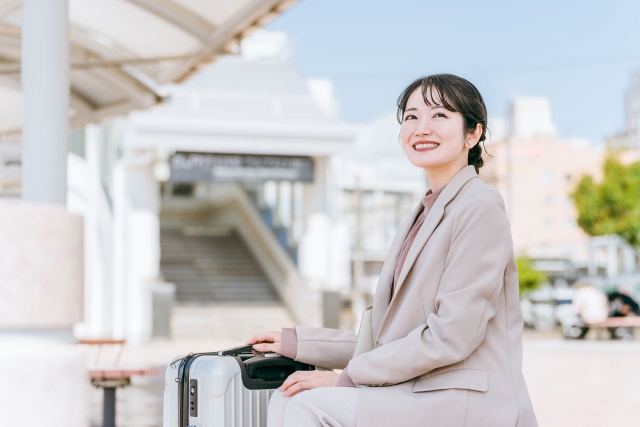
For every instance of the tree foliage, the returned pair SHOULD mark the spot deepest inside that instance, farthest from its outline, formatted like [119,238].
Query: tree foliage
[611,206]
[529,278]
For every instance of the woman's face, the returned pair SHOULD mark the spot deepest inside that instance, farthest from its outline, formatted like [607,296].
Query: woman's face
[432,136]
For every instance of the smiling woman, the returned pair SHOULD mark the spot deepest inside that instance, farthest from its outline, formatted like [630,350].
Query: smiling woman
[443,120]
[446,321]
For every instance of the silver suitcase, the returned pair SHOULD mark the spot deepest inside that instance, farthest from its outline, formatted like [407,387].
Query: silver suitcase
[223,389]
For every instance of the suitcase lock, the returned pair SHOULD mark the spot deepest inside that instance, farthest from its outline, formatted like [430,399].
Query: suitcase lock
[193,398]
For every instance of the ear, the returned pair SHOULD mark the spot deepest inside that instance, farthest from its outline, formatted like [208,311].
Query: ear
[474,137]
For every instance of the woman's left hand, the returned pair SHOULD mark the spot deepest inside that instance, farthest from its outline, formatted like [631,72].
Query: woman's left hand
[307,380]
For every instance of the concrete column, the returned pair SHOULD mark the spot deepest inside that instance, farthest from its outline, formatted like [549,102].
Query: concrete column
[313,250]
[628,259]
[592,259]
[136,247]
[612,256]
[45,87]
[98,319]
[315,194]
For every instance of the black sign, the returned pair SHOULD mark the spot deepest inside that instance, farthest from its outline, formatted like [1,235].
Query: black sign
[208,167]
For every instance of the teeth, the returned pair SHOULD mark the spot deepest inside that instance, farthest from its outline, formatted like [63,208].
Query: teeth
[421,146]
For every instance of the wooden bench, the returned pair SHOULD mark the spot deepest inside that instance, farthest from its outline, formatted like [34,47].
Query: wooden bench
[616,322]
[108,376]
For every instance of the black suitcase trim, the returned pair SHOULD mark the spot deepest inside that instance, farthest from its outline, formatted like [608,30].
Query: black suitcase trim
[267,373]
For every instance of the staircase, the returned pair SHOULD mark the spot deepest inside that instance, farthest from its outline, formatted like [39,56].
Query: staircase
[221,290]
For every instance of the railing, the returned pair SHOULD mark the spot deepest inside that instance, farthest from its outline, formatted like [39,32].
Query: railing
[281,233]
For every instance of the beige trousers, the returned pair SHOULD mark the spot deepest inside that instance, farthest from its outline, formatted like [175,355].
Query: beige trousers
[325,407]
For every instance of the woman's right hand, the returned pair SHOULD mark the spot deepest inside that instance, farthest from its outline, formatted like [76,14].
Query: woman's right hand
[267,342]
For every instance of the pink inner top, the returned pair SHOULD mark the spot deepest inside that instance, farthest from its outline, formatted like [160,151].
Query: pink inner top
[427,202]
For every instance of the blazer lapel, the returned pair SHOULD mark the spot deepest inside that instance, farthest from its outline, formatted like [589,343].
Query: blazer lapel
[427,229]
[383,289]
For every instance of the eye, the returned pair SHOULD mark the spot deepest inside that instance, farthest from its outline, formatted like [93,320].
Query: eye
[439,115]
[409,117]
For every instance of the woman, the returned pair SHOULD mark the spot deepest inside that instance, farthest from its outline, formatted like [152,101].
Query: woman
[446,316]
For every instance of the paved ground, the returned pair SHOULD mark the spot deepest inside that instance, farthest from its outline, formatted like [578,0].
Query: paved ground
[572,383]
[583,383]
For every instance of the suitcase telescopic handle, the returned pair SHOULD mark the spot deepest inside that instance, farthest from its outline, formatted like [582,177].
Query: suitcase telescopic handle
[264,373]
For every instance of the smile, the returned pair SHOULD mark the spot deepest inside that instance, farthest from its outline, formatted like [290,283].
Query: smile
[425,146]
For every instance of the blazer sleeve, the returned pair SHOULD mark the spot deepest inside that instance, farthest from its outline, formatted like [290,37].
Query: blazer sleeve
[467,299]
[323,347]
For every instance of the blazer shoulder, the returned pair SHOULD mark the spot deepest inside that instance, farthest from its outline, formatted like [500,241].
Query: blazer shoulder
[480,214]
[477,193]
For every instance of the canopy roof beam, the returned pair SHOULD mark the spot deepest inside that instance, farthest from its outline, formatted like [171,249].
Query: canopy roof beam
[118,68]
[14,67]
[8,7]
[178,16]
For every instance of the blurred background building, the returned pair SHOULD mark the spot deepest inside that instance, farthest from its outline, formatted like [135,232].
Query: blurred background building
[536,171]
[629,139]
[226,193]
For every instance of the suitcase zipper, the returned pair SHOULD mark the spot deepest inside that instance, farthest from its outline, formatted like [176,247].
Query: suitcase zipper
[184,386]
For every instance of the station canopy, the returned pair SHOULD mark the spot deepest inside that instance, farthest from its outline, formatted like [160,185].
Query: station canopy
[123,51]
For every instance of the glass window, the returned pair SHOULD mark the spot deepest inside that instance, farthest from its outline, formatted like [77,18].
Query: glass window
[547,176]
[76,142]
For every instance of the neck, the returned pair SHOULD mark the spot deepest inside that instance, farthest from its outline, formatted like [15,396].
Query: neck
[440,175]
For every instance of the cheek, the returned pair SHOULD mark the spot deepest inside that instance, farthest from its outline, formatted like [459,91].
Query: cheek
[452,136]
[406,131]
[405,138]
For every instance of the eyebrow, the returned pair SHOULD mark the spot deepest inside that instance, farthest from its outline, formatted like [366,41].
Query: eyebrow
[432,106]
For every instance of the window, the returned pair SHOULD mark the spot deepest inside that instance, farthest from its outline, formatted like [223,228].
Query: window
[547,176]
[77,142]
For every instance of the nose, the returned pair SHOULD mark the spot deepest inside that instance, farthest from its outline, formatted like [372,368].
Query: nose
[423,128]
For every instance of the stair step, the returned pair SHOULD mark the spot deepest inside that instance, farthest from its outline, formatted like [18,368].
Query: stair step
[220,271]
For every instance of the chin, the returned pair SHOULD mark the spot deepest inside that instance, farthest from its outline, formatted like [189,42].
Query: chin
[423,163]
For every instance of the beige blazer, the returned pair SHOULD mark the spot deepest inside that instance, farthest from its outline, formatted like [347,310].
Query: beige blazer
[448,345]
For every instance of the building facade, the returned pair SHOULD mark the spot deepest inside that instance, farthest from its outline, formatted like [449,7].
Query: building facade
[536,171]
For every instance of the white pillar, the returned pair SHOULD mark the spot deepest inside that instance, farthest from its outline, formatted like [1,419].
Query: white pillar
[612,256]
[98,318]
[628,259]
[136,207]
[45,87]
[313,249]
[592,265]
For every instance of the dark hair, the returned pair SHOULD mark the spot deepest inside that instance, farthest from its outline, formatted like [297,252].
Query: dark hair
[455,94]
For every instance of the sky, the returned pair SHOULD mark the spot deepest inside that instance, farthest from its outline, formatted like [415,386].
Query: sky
[580,54]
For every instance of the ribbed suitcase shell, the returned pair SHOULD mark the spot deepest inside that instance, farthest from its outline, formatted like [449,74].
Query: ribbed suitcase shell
[223,401]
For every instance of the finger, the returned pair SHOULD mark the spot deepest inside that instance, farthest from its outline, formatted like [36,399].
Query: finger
[266,348]
[296,377]
[265,337]
[291,380]
[297,388]
[271,336]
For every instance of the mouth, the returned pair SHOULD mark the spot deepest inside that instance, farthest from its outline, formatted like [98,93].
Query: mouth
[422,146]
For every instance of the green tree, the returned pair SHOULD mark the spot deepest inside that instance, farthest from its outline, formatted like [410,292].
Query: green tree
[611,206]
[528,277]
